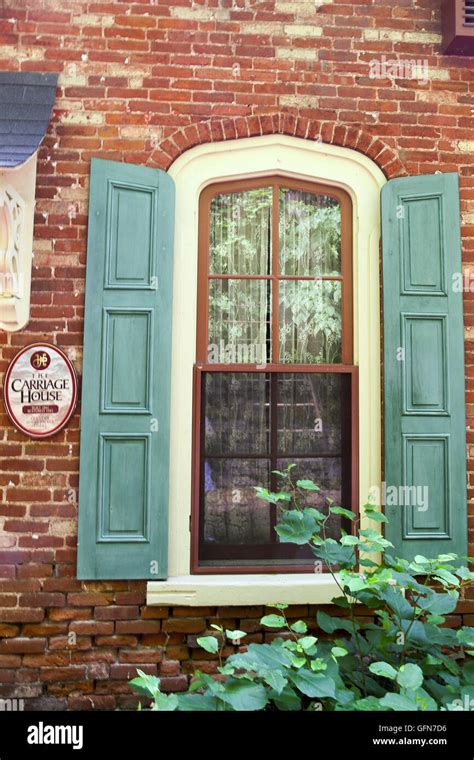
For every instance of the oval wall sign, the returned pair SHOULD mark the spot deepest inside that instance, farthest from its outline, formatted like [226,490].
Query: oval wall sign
[40,390]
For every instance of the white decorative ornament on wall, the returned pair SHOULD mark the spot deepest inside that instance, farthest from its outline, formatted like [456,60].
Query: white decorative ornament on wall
[17,188]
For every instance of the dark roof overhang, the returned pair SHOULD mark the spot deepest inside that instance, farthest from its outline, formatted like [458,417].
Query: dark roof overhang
[26,102]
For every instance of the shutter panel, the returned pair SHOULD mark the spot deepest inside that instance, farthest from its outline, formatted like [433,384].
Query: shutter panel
[124,456]
[424,395]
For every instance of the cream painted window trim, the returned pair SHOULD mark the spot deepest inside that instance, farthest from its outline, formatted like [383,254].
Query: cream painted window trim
[192,172]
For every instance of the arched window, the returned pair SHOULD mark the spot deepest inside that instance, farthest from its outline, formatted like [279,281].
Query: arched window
[275,382]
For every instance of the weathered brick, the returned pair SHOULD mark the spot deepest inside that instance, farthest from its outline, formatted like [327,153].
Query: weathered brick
[42,599]
[21,615]
[22,645]
[137,626]
[88,599]
[7,631]
[184,625]
[141,655]
[67,674]
[65,642]
[116,641]
[127,672]
[116,612]
[44,629]
[98,671]
[70,614]
[174,683]
[154,613]
[90,628]
[92,702]
[169,668]
[8,661]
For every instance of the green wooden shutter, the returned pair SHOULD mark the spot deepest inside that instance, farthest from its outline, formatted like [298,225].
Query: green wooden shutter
[424,395]
[125,408]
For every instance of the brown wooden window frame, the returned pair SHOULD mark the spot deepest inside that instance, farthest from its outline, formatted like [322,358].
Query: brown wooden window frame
[202,365]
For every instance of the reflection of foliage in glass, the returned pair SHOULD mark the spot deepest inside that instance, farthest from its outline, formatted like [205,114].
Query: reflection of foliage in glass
[310,322]
[240,232]
[310,234]
[238,312]
[310,245]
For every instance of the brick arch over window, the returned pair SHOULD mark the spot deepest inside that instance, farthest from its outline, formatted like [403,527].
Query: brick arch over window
[218,130]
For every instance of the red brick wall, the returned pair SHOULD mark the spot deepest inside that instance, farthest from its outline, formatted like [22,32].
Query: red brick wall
[141,82]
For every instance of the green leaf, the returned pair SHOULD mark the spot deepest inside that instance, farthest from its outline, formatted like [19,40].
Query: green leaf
[349,540]
[383,669]
[262,657]
[298,662]
[288,700]
[345,697]
[410,676]
[318,516]
[314,684]
[296,527]
[339,652]
[165,702]
[424,700]
[299,627]
[465,635]
[468,672]
[330,624]
[446,557]
[235,636]
[275,680]
[465,574]
[398,702]
[318,664]
[445,577]
[341,511]
[396,601]
[377,516]
[307,485]
[273,621]
[341,601]
[195,702]
[146,684]
[272,498]
[353,581]
[209,643]
[421,560]
[371,704]
[244,695]
[307,642]
[333,553]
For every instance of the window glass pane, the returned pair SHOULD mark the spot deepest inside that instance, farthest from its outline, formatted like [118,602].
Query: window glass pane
[239,321]
[240,232]
[310,234]
[232,512]
[310,322]
[236,408]
[239,449]
[312,411]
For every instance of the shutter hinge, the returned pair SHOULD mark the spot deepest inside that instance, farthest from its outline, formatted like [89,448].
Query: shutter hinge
[190,523]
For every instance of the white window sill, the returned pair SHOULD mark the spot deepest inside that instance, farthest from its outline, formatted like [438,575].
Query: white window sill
[226,590]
